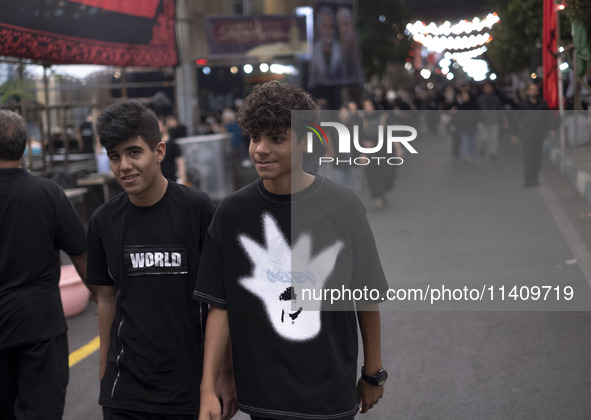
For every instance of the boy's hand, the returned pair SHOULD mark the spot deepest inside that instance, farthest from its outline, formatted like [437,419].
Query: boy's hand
[226,391]
[368,395]
[210,408]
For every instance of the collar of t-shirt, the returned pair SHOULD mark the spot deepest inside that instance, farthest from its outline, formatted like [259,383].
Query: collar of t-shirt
[291,198]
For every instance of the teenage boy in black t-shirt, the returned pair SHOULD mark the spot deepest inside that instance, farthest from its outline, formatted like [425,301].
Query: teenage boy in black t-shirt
[37,220]
[288,231]
[143,251]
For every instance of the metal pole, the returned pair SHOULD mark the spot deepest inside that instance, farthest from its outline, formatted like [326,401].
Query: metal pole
[186,89]
[47,120]
[560,95]
[21,69]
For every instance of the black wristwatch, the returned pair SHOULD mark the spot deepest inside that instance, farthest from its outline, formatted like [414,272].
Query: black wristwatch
[378,379]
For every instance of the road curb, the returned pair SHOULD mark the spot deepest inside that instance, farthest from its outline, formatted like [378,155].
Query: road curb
[578,177]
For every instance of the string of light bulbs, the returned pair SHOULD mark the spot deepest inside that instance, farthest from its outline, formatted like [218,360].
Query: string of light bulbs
[446,29]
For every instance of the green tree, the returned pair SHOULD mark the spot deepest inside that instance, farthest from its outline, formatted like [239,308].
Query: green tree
[12,92]
[579,10]
[381,34]
[517,38]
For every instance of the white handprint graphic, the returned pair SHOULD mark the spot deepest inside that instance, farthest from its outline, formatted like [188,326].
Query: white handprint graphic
[280,273]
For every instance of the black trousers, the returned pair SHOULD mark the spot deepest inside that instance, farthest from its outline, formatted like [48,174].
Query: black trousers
[33,380]
[532,158]
[117,414]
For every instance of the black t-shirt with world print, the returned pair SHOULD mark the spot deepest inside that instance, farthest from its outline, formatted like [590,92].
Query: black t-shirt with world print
[150,255]
[264,257]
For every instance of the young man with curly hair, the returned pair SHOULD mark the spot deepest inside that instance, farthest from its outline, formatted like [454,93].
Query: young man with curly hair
[287,231]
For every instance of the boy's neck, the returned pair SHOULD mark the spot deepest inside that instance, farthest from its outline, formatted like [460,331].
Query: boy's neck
[289,185]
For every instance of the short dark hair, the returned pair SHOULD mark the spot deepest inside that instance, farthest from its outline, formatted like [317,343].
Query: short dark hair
[267,110]
[13,135]
[127,119]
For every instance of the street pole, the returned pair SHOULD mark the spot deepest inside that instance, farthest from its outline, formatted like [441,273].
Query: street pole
[560,93]
[48,120]
[185,76]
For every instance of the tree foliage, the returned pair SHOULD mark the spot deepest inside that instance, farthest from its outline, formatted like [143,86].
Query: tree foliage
[382,39]
[579,10]
[517,38]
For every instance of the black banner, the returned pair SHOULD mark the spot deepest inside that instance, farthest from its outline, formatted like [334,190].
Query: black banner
[130,33]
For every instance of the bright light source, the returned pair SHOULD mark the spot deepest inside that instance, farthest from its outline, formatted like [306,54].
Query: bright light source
[534,76]
[283,69]
[476,69]
[426,73]
[444,62]
[264,67]
[563,66]
[492,76]
[382,18]
[450,76]
[247,68]
[233,69]
[561,49]
[408,66]
[206,70]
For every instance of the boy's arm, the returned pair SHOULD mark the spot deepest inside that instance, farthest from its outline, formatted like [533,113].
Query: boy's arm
[217,334]
[106,315]
[368,316]
[225,386]
[79,262]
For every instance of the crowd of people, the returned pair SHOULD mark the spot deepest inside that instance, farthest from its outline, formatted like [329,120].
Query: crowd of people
[474,117]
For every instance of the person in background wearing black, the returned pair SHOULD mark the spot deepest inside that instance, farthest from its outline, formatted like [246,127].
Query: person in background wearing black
[86,136]
[37,221]
[465,120]
[532,131]
[488,131]
[173,165]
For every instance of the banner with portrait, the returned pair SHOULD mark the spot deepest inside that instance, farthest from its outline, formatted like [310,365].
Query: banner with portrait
[336,59]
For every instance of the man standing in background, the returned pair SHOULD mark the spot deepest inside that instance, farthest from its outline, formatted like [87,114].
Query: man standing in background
[36,221]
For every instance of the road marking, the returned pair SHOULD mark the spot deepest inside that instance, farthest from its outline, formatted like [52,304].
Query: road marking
[576,245]
[84,351]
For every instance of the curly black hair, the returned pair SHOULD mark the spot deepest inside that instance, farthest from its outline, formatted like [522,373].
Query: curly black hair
[267,110]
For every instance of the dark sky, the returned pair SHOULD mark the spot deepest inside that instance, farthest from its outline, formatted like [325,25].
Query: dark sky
[452,10]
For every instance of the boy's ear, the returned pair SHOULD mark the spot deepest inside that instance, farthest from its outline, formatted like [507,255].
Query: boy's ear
[302,143]
[160,151]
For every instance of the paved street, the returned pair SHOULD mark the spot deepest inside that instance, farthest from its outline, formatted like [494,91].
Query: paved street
[457,224]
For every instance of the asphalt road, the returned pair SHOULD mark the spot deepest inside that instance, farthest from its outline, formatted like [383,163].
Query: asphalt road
[464,225]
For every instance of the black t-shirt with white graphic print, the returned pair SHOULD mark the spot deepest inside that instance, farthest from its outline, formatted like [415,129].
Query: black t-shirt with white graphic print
[151,255]
[261,254]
